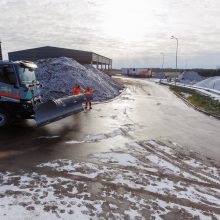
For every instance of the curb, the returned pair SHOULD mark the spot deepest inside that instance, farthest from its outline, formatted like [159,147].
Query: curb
[195,107]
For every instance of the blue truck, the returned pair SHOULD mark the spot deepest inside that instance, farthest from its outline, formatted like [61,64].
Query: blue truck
[20,96]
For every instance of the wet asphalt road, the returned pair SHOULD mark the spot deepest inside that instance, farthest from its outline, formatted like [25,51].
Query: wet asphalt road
[144,111]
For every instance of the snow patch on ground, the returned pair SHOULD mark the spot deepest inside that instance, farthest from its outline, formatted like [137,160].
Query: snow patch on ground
[162,148]
[37,198]
[166,207]
[206,169]
[113,185]
[99,137]
[162,163]
[120,158]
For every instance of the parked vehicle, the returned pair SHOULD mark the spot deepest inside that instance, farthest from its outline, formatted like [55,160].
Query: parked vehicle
[20,96]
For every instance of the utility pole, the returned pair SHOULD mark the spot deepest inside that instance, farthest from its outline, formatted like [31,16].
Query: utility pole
[1,57]
[177,45]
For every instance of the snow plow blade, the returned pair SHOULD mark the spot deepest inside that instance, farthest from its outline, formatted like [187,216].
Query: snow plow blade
[54,110]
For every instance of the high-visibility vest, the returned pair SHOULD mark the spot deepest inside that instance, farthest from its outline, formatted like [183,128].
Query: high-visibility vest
[76,91]
[88,91]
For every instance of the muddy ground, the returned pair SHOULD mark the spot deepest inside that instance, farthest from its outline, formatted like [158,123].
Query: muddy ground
[126,165]
[147,180]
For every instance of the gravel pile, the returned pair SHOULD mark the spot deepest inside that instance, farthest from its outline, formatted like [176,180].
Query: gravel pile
[211,83]
[189,77]
[59,75]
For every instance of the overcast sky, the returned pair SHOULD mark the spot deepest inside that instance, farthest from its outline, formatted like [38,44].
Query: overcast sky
[131,32]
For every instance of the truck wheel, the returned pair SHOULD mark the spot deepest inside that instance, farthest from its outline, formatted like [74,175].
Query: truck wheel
[4,119]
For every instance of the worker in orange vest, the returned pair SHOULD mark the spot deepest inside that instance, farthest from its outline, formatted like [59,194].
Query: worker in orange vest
[76,90]
[88,102]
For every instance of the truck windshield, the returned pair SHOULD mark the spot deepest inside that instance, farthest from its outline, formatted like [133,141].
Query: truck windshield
[26,75]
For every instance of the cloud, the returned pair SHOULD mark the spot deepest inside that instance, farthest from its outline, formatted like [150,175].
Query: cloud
[132,32]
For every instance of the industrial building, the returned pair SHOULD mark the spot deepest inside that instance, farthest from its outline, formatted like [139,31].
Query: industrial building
[83,57]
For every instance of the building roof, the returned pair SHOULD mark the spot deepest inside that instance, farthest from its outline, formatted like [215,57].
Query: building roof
[83,57]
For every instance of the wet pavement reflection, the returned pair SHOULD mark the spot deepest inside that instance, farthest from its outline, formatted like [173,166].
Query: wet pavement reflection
[143,111]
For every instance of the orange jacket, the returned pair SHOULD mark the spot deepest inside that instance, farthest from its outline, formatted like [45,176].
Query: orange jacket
[88,91]
[76,91]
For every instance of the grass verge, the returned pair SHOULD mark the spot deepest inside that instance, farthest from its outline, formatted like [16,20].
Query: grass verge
[199,100]
[173,74]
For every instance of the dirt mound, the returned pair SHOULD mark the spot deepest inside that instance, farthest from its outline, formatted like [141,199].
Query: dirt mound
[211,83]
[190,77]
[59,75]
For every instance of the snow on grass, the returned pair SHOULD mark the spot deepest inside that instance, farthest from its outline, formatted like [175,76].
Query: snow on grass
[186,95]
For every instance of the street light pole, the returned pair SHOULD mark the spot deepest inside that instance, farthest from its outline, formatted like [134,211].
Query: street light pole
[177,45]
[163,59]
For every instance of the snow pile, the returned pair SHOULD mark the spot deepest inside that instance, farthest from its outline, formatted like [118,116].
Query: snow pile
[189,77]
[211,83]
[160,75]
[59,75]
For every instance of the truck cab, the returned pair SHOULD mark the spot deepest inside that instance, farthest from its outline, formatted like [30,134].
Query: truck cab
[18,90]
[20,97]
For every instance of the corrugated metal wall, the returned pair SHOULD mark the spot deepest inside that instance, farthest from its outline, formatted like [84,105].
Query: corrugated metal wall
[50,52]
